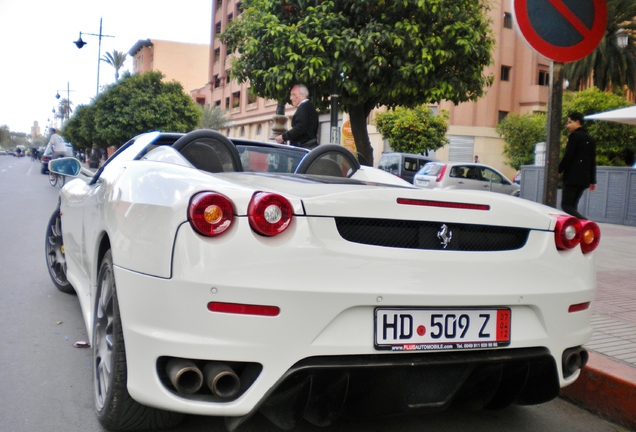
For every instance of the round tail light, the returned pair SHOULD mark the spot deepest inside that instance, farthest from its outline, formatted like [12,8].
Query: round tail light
[269,214]
[567,233]
[590,236]
[210,213]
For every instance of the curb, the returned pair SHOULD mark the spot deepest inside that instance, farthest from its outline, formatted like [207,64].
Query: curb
[606,388]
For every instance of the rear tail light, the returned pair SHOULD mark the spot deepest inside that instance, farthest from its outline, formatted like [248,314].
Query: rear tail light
[570,232]
[210,213]
[269,214]
[440,175]
[567,233]
[590,236]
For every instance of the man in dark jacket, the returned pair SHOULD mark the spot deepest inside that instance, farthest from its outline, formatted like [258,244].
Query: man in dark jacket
[304,122]
[578,165]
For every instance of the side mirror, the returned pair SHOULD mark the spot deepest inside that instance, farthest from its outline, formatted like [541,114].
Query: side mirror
[65,166]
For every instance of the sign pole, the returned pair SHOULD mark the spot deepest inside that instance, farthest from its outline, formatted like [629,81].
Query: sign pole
[553,142]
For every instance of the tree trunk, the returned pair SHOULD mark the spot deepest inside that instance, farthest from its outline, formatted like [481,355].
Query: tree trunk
[358,115]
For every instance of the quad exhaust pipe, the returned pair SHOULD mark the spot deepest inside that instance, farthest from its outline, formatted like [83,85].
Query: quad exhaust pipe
[574,359]
[188,378]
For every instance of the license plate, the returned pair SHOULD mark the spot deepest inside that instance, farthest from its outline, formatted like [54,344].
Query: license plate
[401,329]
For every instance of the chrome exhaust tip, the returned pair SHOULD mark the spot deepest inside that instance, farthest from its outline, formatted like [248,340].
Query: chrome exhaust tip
[221,380]
[573,360]
[184,375]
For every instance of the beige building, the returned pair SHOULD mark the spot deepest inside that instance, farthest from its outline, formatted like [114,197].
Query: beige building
[183,62]
[521,80]
[35,130]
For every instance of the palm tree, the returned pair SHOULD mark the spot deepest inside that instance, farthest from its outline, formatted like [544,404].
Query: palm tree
[214,118]
[609,65]
[116,59]
[64,110]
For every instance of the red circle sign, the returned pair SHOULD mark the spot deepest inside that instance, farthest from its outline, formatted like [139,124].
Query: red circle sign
[562,30]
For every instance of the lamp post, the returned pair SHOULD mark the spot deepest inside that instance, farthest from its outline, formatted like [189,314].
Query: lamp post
[80,44]
[622,38]
[68,99]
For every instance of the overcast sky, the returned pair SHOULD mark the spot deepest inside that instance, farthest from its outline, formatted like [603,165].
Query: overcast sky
[39,57]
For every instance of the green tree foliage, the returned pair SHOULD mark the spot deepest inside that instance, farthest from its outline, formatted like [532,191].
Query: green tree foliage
[615,142]
[377,52]
[142,103]
[5,136]
[80,129]
[214,118]
[609,65]
[521,133]
[116,59]
[413,130]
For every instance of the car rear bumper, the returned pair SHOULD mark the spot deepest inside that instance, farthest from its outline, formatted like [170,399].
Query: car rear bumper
[327,291]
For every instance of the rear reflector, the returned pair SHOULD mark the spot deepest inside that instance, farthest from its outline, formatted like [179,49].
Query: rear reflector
[579,307]
[445,204]
[243,309]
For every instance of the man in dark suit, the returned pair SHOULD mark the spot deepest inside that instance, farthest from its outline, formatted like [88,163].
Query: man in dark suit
[578,165]
[304,123]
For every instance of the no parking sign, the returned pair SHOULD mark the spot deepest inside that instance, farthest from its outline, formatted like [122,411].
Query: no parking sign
[562,30]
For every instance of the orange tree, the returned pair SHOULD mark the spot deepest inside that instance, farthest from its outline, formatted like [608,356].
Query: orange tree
[376,52]
[413,130]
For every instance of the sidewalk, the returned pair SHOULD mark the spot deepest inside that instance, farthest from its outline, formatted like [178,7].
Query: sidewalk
[607,385]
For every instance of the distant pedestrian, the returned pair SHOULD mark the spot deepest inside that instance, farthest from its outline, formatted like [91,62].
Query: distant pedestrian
[578,166]
[477,159]
[304,123]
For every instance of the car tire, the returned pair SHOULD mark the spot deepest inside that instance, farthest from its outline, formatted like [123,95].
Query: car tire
[116,409]
[55,258]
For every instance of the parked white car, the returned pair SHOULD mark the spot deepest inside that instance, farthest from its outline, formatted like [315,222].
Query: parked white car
[459,175]
[226,277]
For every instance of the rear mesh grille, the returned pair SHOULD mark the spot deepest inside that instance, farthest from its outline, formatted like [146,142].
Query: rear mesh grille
[424,235]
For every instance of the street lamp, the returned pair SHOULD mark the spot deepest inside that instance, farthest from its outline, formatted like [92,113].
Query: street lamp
[621,37]
[80,44]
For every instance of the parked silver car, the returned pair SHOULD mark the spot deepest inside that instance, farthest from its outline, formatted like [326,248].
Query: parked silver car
[458,175]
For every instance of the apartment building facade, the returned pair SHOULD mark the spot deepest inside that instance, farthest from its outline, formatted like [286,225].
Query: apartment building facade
[186,63]
[521,85]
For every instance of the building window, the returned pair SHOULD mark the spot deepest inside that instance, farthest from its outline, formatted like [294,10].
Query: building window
[544,78]
[217,81]
[227,103]
[505,73]
[239,8]
[507,20]
[217,55]
[251,99]
[219,4]
[502,115]
[201,101]
[217,104]
[236,100]
[217,28]
[227,79]
[230,17]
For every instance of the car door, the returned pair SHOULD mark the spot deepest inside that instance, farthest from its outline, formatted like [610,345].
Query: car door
[498,183]
[472,178]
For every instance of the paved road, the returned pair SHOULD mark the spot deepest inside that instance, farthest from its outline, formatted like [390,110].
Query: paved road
[45,381]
